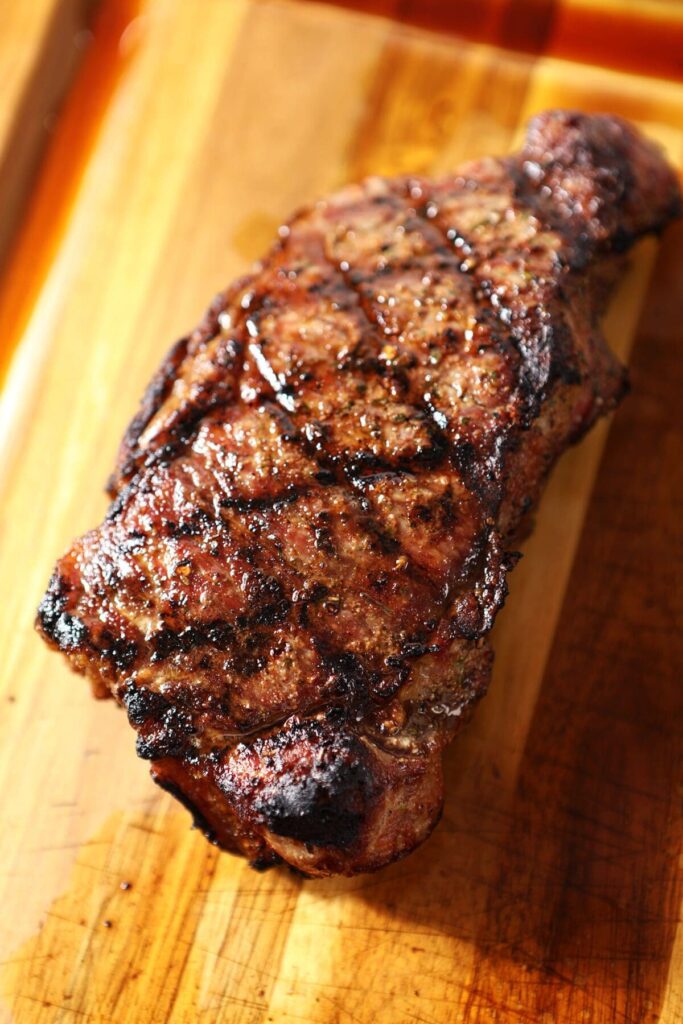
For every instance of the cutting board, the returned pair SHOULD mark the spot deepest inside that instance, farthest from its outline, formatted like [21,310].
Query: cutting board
[551,890]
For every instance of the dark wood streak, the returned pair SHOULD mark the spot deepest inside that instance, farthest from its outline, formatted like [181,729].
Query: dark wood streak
[526,25]
[638,41]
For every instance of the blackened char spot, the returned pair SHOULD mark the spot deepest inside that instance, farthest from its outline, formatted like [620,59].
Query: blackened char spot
[324,809]
[313,783]
[267,597]
[167,738]
[167,642]
[164,729]
[349,676]
[141,704]
[196,524]
[123,496]
[121,651]
[65,630]
[281,498]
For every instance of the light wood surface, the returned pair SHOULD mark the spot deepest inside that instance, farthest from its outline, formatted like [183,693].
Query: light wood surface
[551,890]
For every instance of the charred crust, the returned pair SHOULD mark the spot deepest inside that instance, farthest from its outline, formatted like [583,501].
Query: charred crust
[349,678]
[154,397]
[270,606]
[195,525]
[311,783]
[325,810]
[119,650]
[274,501]
[123,496]
[64,630]
[199,821]
[164,729]
[141,704]
[261,864]
[166,642]
[169,741]
[70,634]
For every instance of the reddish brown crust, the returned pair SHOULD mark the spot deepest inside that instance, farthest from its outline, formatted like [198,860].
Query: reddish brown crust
[307,547]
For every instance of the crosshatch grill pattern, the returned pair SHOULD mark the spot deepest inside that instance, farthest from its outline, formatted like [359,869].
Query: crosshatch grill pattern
[551,888]
[314,512]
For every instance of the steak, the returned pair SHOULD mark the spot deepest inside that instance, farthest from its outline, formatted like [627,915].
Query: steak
[315,509]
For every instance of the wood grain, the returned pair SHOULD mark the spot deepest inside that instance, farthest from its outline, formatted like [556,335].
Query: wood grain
[551,890]
[645,36]
[40,46]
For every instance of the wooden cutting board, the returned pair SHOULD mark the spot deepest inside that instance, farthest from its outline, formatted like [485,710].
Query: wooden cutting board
[551,891]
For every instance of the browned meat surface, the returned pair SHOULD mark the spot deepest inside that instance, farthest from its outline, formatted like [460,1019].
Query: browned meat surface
[314,509]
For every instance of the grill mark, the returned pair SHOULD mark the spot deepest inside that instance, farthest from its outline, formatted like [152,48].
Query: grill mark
[533,381]
[154,397]
[149,710]
[360,591]
[342,474]
[222,634]
[212,396]
[345,473]
[272,603]
[479,290]
[360,464]
[361,365]
[226,635]
[344,470]
[182,430]
[332,473]
[375,331]
[464,457]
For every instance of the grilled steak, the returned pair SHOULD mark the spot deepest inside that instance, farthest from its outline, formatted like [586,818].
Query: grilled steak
[314,510]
